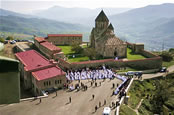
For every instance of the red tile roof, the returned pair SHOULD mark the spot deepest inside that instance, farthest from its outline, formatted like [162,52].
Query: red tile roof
[39,39]
[33,60]
[64,35]
[51,46]
[48,73]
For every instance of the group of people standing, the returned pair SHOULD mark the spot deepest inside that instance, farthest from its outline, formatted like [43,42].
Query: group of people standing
[90,73]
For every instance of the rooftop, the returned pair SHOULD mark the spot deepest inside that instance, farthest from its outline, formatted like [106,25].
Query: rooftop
[32,60]
[39,39]
[48,73]
[64,35]
[51,46]
[102,17]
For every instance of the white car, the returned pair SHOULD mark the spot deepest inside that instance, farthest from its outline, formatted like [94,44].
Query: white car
[129,73]
[107,111]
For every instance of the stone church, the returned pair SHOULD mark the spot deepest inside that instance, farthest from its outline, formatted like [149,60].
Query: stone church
[104,41]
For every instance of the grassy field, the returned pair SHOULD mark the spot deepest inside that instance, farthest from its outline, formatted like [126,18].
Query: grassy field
[148,90]
[132,56]
[125,110]
[78,58]
[66,49]
[167,64]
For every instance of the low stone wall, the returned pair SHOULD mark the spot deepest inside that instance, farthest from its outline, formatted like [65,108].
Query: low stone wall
[147,54]
[94,63]
[149,63]
[63,64]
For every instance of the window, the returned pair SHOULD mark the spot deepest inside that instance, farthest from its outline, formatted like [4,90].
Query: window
[49,83]
[55,81]
[60,81]
[44,83]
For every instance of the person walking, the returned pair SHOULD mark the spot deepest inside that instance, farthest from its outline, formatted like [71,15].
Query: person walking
[95,108]
[105,102]
[56,93]
[69,99]
[99,104]
[93,96]
[113,85]
[40,100]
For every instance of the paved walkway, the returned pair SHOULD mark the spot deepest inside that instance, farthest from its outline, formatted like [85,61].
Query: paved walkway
[149,76]
[81,102]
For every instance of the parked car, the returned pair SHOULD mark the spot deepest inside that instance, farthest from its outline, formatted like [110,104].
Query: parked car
[107,111]
[163,69]
[139,73]
[6,42]
[129,73]
[12,42]
[50,90]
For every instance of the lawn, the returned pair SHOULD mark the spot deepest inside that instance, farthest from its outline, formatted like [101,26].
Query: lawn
[78,59]
[125,110]
[168,64]
[67,51]
[133,56]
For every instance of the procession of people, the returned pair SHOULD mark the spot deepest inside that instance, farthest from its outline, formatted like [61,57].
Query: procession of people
[90,73]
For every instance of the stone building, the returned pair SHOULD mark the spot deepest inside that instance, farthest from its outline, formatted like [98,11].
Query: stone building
[64,39]
[103,39]
[35,69]
[48,49]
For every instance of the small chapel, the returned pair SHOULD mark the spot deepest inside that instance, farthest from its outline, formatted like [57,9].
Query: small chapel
[104,41]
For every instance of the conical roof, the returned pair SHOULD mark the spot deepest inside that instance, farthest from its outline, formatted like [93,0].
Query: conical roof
[102,17]
[110,26]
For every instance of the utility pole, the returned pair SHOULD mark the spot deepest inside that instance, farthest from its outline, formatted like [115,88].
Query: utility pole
[163,46]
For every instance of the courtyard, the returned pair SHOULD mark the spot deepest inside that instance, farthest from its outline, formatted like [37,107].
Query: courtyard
[81,101]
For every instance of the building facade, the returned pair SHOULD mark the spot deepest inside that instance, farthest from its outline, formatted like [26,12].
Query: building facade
[103,39]
[64,39]
[48,49]
[30,64]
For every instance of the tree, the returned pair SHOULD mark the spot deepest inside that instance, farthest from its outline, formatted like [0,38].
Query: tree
[166,56]
[2,40]
[90,52]
[9,38]
[76,48]
[171,50]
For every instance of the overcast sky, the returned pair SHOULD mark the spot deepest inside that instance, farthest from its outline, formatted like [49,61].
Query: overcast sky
[27,6]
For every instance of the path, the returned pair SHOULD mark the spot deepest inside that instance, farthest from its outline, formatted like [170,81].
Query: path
[81,104]
[149,76]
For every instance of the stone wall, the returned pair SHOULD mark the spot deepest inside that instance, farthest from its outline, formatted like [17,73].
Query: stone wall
[147,54]
[63,64]
[64,40]
[149,63]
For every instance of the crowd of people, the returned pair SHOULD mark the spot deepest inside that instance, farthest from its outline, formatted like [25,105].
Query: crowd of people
[90,73]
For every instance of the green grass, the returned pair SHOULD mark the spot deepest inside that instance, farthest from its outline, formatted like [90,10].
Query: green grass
[133,56]
[127,69]
[168,64]
[66,49]
[78,59]
[125,110]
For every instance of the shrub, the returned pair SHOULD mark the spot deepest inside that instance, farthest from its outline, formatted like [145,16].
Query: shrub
[166,56]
